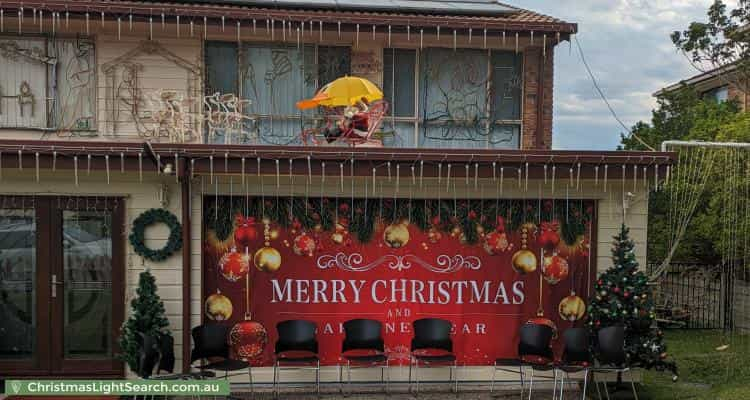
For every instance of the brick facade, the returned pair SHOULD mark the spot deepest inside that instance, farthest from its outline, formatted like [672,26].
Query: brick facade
[532,135]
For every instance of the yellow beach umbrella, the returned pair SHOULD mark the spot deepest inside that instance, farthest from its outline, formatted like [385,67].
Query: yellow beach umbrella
[344,91]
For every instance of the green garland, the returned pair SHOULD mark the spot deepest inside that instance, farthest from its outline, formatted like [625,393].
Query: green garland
[156,216]
[468,214]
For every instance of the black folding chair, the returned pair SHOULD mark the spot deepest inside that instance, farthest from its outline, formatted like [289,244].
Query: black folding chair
[432,334]
[611,357]
[535,351]
[576,357]
[363,347]
[212,350]
[296,348]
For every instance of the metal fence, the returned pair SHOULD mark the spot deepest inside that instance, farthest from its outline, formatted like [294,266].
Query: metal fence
[695,296]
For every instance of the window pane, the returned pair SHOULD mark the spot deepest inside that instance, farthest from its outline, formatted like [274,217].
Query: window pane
[75,90]
[23,80]
[398,133]
[399,66]
[333,63]
[87,256]
[506,85]
[453,98]
[17,283]
[274,78]
[221,68]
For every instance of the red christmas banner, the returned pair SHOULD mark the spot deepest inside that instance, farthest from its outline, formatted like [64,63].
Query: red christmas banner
[263,272]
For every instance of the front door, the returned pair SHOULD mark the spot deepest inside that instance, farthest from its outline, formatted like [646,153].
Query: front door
[61,285]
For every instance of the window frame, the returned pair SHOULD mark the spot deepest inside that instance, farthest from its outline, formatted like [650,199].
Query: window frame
[418,121]
[51,77]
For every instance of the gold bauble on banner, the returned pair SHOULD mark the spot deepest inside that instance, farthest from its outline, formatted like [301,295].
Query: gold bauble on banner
[396,235]
[572,308]
[267,259]
[524,261]
[218,307]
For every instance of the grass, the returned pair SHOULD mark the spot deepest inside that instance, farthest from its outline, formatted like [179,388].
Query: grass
[705,372]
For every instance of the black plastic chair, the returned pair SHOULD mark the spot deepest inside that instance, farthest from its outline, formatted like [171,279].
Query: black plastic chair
[363,335]
[296,348]
[535,351]
[611,356]
[432,334]
[576,357]
[212,350]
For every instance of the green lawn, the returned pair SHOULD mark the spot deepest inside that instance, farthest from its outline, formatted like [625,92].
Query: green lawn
[705,372]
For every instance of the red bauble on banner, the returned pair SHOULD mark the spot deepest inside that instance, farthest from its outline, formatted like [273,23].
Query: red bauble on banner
[247,339]
[234,265]
[496,243]
[304,245]
[550,237]
[246,232]
[572,308]
[555,269]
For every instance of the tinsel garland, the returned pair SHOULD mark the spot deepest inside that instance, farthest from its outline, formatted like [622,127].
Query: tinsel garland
[360,214]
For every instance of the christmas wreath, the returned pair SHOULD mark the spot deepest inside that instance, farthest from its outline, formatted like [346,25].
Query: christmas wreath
[156,216]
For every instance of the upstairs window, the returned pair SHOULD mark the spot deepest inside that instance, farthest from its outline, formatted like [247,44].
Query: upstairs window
[48,84]
[464,98]
[719,94]
[273,78]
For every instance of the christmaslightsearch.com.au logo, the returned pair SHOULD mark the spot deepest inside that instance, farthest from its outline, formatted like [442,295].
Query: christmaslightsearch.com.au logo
[213,387]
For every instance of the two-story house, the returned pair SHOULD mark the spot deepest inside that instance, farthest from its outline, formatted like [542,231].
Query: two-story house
[111,108]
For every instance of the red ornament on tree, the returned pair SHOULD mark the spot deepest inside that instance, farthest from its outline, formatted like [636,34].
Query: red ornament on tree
[234,265]
[245,233]
[304,245]
[549,238]
[555,269]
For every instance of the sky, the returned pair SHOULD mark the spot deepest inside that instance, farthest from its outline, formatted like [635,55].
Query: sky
[627,46]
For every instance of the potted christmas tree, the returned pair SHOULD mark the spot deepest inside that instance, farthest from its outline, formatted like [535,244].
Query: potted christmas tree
[146,326]
[623,297]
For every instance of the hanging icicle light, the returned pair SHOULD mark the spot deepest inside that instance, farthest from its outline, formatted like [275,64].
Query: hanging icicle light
[438,33]
[516,42]
[239,32]
[130,22]
[255,26]
[503,38]
[20,20]
[531,40]
[119,28]
[455,39]
[106,166]
[338,24]
[163,22]
[283,30]
[470,32]
[421,38]
[544,46]
[373,32]
[36,166]
[320,30]
[41,21]
[67,20]
[192,28]
[2,20]
[205,27]
[484,39]
[102,21]
[178,26]
[389,36]
[150,28]
[408,33]
[356,36]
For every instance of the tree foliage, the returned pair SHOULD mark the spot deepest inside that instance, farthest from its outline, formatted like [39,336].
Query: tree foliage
[684,115]
[623,297]
[723,41]
[147,317]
